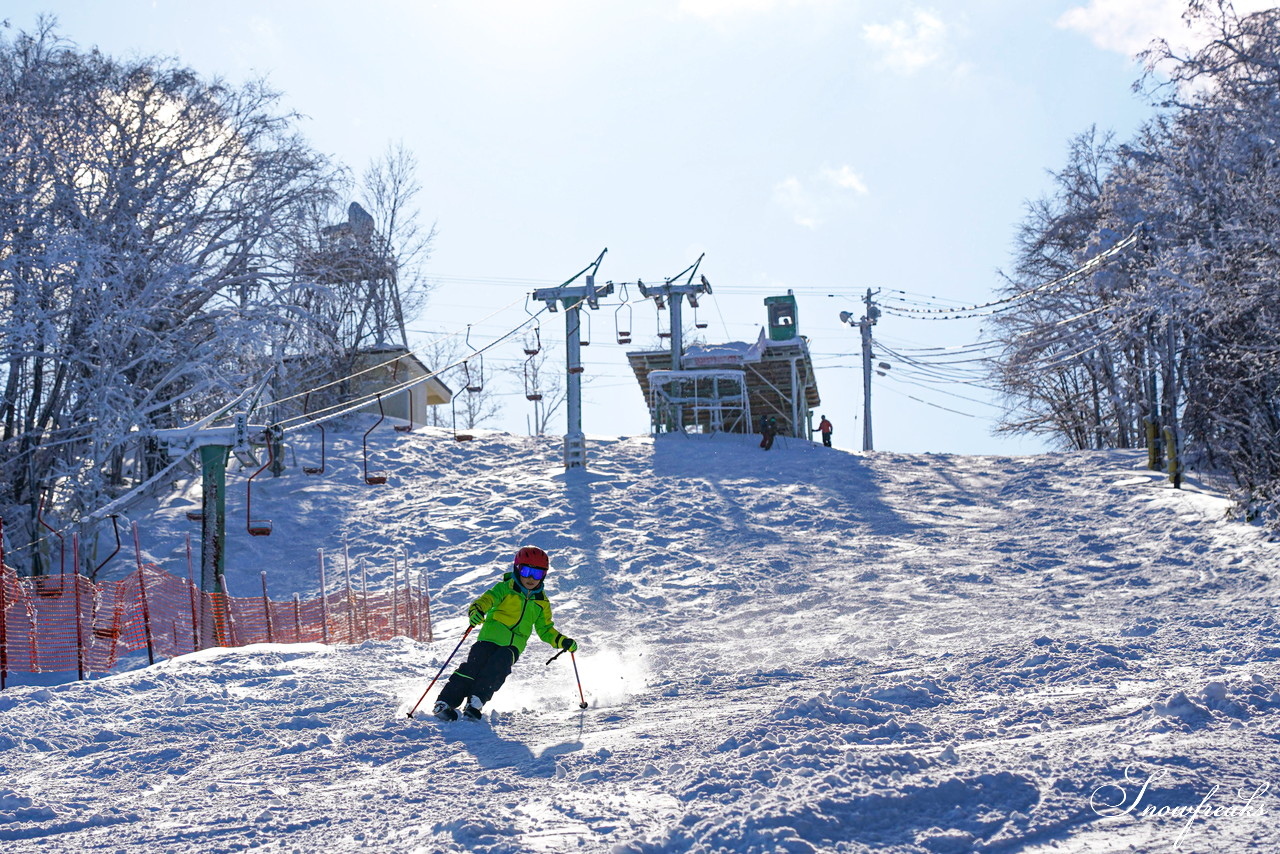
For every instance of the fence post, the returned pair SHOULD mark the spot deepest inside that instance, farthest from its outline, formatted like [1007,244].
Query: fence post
[324,602]
[231,618]
[142,589]
[426,602]
[191,589]
[395,597]
[409,608]
[364,597]
[75,579]
[408,601]
[4,606]
[351,602]
[297,619]
[266,608]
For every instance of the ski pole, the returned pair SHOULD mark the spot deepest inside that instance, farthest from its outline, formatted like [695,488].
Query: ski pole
[574,659]
[441,670]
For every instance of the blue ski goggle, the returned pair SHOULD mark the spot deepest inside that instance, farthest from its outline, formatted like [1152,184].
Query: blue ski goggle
[537,573]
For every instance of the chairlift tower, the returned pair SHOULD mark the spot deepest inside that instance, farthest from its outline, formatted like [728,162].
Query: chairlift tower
[673,294]
[216,445]
[572,297]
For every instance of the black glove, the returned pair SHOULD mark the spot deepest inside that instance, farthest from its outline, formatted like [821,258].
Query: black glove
[475,615]
[568,644]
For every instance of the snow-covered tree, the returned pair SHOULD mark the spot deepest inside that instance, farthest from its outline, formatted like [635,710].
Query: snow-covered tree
[140,207]
[1181,327]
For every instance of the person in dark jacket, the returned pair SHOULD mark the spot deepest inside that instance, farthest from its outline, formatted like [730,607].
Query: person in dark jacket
[768,429]
[507,613]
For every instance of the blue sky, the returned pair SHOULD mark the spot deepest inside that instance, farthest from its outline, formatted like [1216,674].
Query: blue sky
[818,145]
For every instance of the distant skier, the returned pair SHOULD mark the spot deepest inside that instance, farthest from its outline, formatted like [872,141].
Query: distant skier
[824,427]
[509,611]
[768,429]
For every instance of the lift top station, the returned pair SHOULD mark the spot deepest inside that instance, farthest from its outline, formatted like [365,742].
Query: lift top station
[709,388]
[782,317]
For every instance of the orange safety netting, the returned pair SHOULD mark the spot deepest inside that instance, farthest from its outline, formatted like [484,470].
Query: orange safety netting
[63,623]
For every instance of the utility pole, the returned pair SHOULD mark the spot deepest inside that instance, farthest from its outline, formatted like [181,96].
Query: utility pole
[673,295]
[572,296]
[864,325]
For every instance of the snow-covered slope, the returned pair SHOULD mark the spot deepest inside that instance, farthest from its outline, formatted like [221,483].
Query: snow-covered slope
[799,650]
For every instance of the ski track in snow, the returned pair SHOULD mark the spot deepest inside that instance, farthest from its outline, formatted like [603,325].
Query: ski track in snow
[800,650]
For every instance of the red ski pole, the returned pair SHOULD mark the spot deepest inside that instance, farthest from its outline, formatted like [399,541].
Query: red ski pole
[583,704]
[441,670]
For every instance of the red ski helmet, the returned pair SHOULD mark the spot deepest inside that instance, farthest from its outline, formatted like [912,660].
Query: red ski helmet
[531,556]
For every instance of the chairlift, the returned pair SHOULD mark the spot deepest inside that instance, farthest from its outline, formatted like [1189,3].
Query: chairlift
[535,348]
[470,385]
[407,428]
[458,437]
[258,527]
[661,334]
[62,551]
[697,324]
[623,329]
[116,528]
[380,477]
[403,428]
[309,469]
[584,338]
[530,388]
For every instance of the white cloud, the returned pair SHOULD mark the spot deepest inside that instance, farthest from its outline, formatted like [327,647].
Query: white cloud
[793,198]
[846,179]
[909,45]
[809,203]
[1129,26]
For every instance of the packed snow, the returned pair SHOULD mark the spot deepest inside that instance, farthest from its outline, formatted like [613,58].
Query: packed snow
[788,651]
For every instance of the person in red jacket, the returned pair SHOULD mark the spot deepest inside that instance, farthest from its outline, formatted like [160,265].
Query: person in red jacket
[824,427]
[507,613]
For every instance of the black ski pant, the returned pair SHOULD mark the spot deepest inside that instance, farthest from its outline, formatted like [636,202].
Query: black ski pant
[826,440]
[482,674]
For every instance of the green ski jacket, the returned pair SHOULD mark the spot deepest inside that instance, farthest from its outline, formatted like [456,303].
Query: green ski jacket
[513,613]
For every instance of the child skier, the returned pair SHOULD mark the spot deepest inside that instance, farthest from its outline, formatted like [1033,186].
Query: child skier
[509,610]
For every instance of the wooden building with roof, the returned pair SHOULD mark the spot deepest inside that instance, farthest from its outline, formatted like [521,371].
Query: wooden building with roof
[730,387]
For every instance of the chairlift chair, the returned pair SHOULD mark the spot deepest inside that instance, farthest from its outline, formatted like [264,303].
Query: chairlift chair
[697,324]
[115,527]
[379,477]
[536,347]
[530,389]
[584,338]
[458,437]
[537,333]
[468,383]
[62,549]
[403,428]
[258,527]
[311,469]
[407,428]
[623,329]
